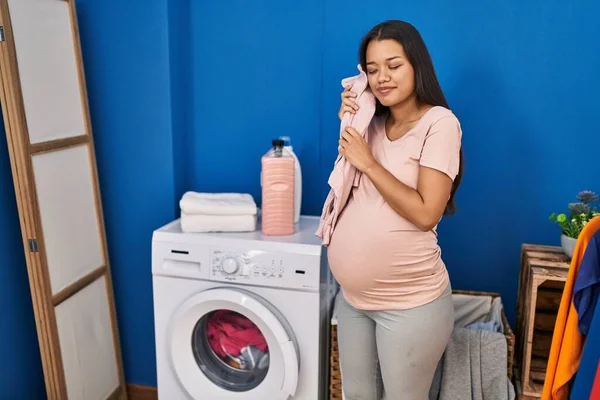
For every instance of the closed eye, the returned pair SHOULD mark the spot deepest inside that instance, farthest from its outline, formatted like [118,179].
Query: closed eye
[393,67]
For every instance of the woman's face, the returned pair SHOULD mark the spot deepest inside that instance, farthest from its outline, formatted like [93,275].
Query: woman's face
[391,76]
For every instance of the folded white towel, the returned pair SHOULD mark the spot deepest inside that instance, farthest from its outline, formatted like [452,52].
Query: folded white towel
[217,223]
[218,203]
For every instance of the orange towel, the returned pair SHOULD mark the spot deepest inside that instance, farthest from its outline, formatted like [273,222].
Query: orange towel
[567,341]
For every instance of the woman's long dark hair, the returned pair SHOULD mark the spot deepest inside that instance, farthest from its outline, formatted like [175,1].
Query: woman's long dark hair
[427,87]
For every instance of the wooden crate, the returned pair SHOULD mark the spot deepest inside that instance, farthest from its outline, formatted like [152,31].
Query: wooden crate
[544,271]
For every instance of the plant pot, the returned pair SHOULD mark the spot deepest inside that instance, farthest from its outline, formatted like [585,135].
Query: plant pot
[568,244]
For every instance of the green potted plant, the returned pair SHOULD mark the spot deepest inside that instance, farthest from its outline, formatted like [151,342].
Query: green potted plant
[580,213]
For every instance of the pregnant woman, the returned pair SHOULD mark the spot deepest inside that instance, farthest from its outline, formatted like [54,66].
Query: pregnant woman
[395,315]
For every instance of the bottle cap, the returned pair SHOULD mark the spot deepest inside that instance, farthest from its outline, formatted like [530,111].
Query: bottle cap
[277,143]
[286,140]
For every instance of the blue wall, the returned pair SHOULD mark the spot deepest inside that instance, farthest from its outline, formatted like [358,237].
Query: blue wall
[180,58]
[128,80]
[187,96]
[256,75]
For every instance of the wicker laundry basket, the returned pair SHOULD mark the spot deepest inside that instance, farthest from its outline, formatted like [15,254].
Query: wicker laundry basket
[335,376]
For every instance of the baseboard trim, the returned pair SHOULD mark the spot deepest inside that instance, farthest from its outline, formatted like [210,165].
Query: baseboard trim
[139,392]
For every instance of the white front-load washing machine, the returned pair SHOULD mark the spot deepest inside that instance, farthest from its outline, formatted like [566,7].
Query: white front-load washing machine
[241,316]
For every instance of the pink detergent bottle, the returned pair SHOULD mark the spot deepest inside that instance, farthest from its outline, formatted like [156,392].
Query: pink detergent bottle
[278,174]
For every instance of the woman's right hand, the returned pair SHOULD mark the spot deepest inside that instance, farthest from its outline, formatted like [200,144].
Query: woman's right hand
[348,102]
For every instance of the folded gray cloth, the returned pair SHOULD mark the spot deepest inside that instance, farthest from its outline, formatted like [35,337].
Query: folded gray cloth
[469,309]
[493,321]
[473,367]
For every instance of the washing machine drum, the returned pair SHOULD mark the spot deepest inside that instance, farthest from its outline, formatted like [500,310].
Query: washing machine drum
[231,350]
[231,343]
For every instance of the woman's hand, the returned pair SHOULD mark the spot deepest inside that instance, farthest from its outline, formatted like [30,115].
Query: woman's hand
[356,150]
[348,103]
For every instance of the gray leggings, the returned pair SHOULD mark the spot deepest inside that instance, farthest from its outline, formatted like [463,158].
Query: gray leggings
[400,348]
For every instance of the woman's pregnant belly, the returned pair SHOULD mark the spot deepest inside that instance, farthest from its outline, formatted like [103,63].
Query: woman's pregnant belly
[381,262]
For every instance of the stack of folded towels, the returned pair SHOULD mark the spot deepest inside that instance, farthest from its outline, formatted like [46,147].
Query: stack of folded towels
[217,212]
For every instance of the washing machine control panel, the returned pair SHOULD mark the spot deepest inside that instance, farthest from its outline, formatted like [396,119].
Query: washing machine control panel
[265,268]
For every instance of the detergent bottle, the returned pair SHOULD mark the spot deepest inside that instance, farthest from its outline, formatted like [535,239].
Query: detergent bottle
[277,181]
[287,145]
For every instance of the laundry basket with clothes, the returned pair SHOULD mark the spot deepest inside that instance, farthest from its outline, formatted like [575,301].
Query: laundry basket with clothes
[474,365]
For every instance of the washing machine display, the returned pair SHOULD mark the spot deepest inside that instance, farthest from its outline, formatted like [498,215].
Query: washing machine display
[262,268]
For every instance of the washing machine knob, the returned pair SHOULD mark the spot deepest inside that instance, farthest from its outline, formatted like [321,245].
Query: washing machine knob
[230,266]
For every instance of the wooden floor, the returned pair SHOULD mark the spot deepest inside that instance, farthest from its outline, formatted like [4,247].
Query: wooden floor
[138,392]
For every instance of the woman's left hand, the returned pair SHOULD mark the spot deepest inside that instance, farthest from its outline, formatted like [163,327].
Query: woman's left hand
[355,149]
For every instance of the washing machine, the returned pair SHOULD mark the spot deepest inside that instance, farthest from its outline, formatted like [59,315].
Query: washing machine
[241,316]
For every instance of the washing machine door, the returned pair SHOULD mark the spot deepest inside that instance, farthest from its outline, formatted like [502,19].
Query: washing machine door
[231,343]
